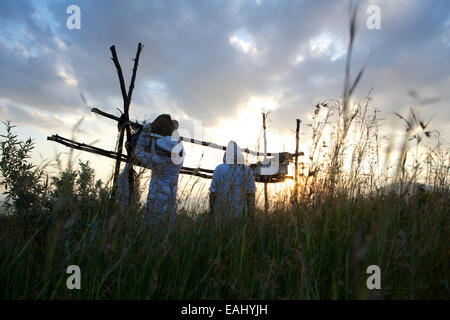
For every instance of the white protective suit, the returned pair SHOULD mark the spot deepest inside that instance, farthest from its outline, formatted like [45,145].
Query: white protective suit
[164,157]
[232,183]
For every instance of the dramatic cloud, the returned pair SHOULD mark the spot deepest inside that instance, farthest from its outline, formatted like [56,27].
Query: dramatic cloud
[209,60]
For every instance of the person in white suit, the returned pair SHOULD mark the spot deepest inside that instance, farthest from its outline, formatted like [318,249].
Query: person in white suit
[232,190]
[164,156]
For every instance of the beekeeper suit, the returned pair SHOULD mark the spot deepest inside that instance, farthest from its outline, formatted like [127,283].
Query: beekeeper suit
[232,187]
[164,156]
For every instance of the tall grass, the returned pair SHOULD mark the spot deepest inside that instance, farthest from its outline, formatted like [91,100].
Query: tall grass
[349,211]
[319,250]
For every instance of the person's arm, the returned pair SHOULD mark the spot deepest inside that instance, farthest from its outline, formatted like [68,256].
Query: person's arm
[142,143]
[150,159]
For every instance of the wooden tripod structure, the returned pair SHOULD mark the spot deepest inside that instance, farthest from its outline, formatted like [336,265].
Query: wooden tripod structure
[125,126]
[123,122]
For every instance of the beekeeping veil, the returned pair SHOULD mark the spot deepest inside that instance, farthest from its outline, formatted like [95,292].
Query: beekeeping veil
[233,154]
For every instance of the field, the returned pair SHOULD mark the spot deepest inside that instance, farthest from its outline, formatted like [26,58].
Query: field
[316,241]
[358,202]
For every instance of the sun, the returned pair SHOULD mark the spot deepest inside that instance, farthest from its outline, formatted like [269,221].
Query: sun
[246,127]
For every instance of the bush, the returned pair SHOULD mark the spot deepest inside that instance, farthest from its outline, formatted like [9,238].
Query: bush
[27,187]
[23,182]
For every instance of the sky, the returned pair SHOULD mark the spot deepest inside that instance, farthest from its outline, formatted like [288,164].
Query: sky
[217,65]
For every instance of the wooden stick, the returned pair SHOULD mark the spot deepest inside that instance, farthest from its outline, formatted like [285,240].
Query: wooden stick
[297,138]
[191,140]
[126,111]
[199,172]
[125,101]
[124,127]
[264,132]
[105,114]
[119,153]
[133,77]
[119,73]
[113,155]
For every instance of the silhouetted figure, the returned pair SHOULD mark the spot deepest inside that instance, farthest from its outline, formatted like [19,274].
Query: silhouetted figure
[164,156]
[232,189]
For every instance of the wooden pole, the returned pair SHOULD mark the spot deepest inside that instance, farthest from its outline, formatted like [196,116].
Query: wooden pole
[131,178]
[199,172]
[126,97]
[297,138]
[266,197]
[120,127]
[191,140]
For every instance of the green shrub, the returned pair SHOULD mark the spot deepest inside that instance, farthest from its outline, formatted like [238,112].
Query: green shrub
[23,182]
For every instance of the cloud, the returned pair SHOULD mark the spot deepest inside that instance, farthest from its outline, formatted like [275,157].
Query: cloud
[29,116]
[326,44]
[244,42]
[204,60]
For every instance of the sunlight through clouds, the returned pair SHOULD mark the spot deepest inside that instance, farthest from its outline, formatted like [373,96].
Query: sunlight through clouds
[69,79]
[244,42]
[246,127]
[326,44]
[299,59]
[60,43]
